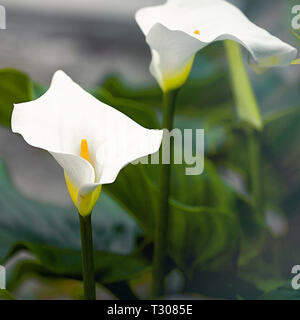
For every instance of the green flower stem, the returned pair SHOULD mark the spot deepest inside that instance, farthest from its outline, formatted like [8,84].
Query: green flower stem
[246,104]
[248,112]
[87,254]
[254,170]
[161,234]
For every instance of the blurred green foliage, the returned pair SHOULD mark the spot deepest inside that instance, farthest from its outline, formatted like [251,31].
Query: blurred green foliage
[15,87]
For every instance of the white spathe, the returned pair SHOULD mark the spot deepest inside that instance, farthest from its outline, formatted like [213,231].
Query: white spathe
[176,30]
[64,116]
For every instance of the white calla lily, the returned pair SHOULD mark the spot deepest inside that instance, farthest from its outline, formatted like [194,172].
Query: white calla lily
[89,139]
[176,30]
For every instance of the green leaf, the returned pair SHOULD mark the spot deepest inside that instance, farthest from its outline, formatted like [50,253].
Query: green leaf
[66,263]
[281,152]
[285,292]
[196,98]
[266,259]
[6,295]
[145,116]
[38,90]
[22,219]
[134,191]
[15,87]
[279,165]
[200,237]
[37,226]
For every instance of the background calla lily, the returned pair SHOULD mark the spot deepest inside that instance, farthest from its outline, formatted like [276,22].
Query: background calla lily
[89,139]
[178,29]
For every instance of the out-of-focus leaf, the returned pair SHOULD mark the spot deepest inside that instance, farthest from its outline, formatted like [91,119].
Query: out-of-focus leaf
[66,263]
[196,98]
[135,193]
[6,295]
[281,151]
[22,219]
[200,237]
[265,260]
[38,90]
[278,161]
[15,87]
[142,114]
[285,292]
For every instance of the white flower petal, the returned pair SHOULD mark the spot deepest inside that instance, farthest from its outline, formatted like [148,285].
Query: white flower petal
[129,143]
[172,55]
[170,32]
[79,171]
[65,115]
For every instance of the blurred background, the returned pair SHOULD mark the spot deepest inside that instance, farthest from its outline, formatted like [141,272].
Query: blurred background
[91,39]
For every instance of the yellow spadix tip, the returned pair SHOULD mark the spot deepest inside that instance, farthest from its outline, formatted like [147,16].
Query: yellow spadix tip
[84,150]
[197,32]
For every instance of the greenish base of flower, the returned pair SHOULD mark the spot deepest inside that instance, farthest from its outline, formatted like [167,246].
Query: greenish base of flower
[87,253]
[162,220]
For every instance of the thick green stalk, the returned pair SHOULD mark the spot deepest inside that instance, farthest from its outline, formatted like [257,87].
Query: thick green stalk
[161,232]
[87,254]
[248,112]
[247,107]
[255,171]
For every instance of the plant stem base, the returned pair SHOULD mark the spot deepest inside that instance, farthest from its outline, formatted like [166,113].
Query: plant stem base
[87,253]
[161,234]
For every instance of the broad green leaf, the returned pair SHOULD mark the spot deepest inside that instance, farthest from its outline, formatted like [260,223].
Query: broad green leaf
[200,237]
[145,116]
[197,98]
[134,191]
[22,219]
[191,191]
[66,263]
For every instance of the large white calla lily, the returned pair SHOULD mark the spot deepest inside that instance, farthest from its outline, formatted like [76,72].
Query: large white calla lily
[89,139]
[176,30]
